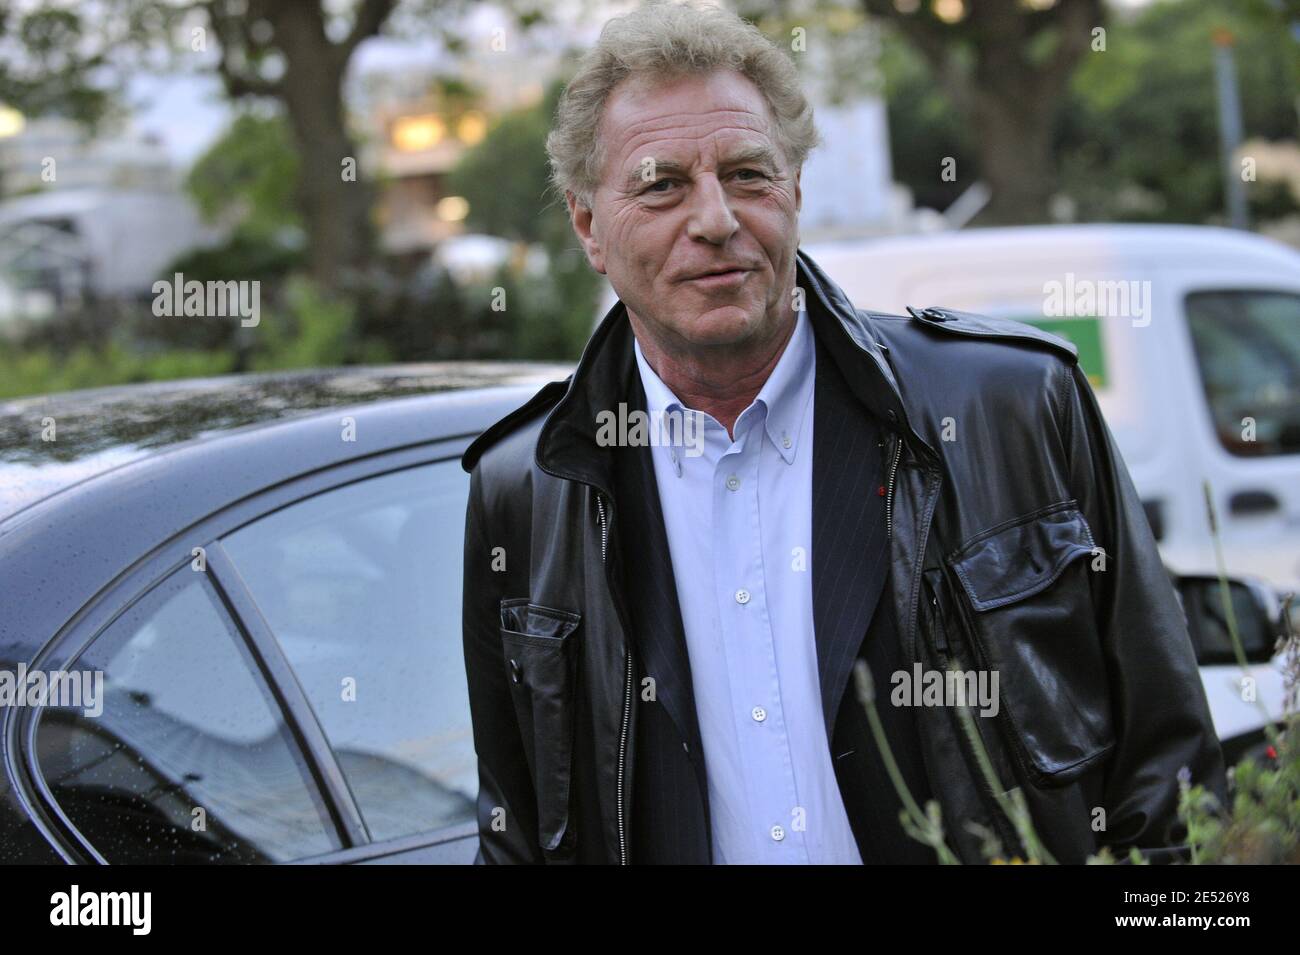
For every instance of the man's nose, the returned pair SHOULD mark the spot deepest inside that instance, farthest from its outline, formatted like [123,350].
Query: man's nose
[711,217]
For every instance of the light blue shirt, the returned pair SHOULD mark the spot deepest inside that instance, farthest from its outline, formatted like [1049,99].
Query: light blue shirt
[739,524]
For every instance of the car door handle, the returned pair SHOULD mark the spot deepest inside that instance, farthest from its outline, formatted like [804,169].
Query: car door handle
[1243,503]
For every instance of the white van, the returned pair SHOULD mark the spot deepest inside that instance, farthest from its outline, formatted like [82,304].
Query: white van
[1190,336]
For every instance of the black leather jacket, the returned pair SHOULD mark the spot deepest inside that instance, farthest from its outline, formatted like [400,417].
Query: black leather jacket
[1017,543]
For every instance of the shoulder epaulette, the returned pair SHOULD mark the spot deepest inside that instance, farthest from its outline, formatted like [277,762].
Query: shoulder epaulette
[986,326]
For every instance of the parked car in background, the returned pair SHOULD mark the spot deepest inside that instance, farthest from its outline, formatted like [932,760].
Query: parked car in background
[267,570]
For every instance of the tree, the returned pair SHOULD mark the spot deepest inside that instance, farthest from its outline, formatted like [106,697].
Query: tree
[259,39]
[250,174]
[293,52]
[1139,137]
[39,70]
[505,178]
[1005,65]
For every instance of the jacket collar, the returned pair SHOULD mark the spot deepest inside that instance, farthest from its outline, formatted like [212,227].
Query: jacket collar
[567,447]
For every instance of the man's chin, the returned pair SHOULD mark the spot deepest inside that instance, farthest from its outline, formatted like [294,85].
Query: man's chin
[725,325]
[721,339]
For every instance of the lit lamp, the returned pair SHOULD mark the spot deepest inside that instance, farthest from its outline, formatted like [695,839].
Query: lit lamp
[452,209]
[414,133]
[11,121]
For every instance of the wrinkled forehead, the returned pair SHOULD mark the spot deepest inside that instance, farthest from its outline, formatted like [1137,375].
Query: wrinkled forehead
[667,119]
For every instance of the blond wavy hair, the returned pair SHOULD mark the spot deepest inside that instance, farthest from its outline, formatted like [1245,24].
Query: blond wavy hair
[661,40]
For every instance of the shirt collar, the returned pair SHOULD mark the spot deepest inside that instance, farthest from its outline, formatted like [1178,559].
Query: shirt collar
[788,390]
[785,394]
[658,396]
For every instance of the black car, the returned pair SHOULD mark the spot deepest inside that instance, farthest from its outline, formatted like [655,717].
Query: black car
[254,586]
[243,596]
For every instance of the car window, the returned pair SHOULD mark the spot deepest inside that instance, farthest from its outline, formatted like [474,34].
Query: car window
[188,758]
[1247,346]
[361,587]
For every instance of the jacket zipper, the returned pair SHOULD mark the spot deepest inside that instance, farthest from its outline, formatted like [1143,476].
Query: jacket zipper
[889,493]
[627,699]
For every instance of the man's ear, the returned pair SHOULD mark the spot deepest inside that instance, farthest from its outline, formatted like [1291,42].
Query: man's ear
[581,217]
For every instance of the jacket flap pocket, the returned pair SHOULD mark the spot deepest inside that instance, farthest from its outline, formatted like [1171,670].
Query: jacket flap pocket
[529,619]
[1023,599]
[1017,560]
[541,660]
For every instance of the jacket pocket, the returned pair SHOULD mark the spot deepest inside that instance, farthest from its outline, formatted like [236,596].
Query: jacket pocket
[541,667]
[1025,603]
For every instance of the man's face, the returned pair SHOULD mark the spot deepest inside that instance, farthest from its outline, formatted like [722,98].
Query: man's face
[694,182]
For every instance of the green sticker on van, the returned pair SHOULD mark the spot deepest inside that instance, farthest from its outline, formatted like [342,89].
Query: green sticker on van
[1085,333]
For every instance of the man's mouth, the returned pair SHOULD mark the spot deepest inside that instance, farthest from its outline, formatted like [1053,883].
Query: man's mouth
[721,277]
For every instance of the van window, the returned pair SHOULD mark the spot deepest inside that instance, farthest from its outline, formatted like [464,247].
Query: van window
[1247,346]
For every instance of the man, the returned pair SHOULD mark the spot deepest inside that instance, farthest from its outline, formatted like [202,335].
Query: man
[660,635]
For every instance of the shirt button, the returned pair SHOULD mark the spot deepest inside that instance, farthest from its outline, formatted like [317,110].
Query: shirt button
[733,482]
[742,596]
[758,713]
[778,833]
[785,440]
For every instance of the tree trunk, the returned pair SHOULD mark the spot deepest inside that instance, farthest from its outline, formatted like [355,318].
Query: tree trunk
[1007,88]
[335,209]
[1014,144]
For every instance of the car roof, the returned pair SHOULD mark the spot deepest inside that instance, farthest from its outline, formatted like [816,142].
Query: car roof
[62,549]
[97,430]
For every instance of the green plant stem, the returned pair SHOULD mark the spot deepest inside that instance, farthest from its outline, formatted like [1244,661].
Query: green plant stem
[866,695]
[1017,813]
[1225,592]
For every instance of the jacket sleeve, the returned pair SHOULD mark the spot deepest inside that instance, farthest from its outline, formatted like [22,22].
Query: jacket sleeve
[1158,704]
[507,813]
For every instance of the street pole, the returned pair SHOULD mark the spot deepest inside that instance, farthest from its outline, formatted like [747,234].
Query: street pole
[1225,74]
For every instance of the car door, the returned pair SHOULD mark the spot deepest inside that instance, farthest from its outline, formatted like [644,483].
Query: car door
[181,753]
[295,692]
[360,588]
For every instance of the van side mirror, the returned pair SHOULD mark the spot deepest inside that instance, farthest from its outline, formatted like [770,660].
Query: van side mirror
[1255,606]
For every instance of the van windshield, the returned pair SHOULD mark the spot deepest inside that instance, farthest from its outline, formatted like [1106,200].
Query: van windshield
[1247,345]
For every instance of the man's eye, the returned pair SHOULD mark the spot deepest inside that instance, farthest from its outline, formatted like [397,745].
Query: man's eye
[654,187]
[758,173]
